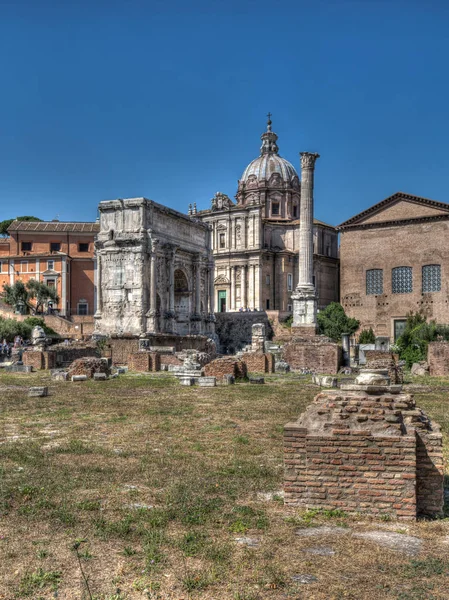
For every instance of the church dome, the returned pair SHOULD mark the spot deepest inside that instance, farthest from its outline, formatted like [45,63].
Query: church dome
[269,161]
[264,166]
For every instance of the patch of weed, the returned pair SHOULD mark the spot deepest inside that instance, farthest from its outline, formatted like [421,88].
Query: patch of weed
[37,580]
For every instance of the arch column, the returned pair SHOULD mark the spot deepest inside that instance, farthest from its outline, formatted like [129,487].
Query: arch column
[243,295]
[233,290]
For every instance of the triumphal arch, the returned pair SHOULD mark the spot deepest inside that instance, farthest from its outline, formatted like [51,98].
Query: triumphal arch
[154,271]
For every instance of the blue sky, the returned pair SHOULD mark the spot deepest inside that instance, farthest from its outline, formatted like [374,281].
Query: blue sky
[167,100]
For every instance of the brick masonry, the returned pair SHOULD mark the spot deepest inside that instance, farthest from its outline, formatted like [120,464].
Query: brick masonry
[258,362]
[314,354]
[375,359]
[438,359]
[373,454]
[39,360]
[226,366]
[144,361]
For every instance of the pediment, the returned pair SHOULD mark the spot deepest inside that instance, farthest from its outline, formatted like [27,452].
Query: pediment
[50,273]
[398,208]
[222,280]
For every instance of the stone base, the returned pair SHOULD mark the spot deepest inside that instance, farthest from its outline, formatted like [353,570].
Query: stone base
[207,381]
[316,354]
[304,331]
[374,453]
[38,391]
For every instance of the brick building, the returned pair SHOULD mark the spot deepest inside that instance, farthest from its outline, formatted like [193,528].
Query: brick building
[394,259]
[56,253]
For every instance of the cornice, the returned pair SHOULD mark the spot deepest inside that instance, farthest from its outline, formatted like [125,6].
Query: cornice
[397,222]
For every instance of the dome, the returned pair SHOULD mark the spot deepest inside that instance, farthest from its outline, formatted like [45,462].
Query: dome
[264,166]
[269,161]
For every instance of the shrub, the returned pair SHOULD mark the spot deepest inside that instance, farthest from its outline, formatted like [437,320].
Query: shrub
[412,344]
[367,336]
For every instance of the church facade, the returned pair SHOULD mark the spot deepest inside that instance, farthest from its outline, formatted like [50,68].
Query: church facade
[255,240]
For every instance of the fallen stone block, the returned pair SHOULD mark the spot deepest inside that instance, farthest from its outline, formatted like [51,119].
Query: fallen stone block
[100,376]
[257,380]
[38,391]
[59,375]
[122,370]
[186,380]
[228,379]
[207,381]
[79,377]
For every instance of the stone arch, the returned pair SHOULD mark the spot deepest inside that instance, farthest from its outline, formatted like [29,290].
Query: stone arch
[182,295]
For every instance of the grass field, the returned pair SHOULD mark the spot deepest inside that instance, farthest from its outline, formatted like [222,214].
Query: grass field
[141,486]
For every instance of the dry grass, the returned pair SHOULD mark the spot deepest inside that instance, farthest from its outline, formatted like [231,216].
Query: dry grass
[86,462]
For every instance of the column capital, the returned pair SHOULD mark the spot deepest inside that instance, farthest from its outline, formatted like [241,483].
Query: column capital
[308,159]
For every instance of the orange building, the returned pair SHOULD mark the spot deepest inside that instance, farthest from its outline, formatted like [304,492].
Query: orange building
[59,254]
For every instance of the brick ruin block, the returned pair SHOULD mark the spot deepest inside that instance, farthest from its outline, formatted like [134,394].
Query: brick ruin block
[365,448]
[259,362]
[226,366]
[144,362]
[377,359]
[39,360]
[438,359]
[317,354]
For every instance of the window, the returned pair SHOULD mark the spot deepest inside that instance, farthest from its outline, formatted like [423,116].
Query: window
[23,266]
[83,308]
[2,268]
[374,281]
[267,279]
[431,278]
[401,280]
[275,208]
[268,304]
[55,246]
[295,212]
[289,282]
[289,307]
[83,247]
[222,240]
[26,246]
[50,283]
[50,265]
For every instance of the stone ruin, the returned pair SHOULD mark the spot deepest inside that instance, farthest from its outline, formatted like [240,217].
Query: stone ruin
[365,448]
[89,366]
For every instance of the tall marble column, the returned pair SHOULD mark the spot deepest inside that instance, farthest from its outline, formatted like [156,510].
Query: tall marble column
[304,297]
[211,289]
[152,316]
[197,286]
[171,290]
[243,287]
[232,288]
[251,303]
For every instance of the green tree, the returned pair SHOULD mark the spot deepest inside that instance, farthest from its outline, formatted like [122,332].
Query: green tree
[367,336]
[7,222]
[333,321]
[34,294]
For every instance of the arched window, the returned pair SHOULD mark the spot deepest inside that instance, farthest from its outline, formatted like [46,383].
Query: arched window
[402,280]
[181,284]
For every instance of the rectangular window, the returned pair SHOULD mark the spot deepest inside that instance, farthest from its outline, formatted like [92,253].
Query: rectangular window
[268,304]
[26,246]
[222,240]
[50,265]
[23,266]
[295,212]
[401,280]
[374,281]
[83,247]
[289,282]
[431,278]
[275,208]
[83,308]
[55,246]
[50,283]
[267,280]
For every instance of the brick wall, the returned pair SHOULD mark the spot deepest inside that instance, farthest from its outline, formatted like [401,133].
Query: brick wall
[39,360]
[438,359]
[320,357]
[258,362]
[144,361]
[226,366]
